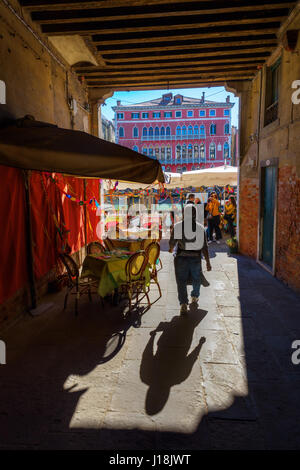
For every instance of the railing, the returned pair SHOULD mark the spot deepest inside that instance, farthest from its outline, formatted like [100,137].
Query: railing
[271,113]
[180,161]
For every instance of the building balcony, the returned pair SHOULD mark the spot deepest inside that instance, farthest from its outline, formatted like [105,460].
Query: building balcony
[162,138]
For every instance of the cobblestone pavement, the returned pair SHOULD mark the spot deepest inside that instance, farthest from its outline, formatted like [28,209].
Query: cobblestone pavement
[219,378]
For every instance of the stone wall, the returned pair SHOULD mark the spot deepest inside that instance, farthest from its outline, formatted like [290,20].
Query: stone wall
[36,83]
[248,216]
[288,228]
[279,140]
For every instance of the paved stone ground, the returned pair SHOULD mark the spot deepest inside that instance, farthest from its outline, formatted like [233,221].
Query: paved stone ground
[219,378]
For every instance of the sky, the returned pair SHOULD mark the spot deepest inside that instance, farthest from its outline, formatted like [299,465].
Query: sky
[131,97]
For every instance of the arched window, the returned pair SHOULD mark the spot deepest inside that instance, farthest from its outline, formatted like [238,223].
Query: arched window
[196,152]
[212,151]
[190,151]
[213,129]
[197,167]
[150,132]
[202,130]
[156,131]
[163,153]
[178,152]
[226,129]
[2,92]
[196,130]
[190,130]
[145,151]
[168,168]
[202,152]
[145,132]
[168,131]
[169,154]
[184,168]
[226,151]
[135,132]
[178,169]
[183,152]
[178,130]
[156,152]
[183,130]
[193,168]
[162,131]
[150,152]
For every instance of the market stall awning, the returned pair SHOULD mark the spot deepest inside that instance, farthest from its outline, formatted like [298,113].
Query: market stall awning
[220,176]
[34,145]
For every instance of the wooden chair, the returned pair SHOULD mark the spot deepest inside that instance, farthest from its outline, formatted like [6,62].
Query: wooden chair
[144,246]
[135,279]
[95,248]
[81,286]
[108,244]
[145,243]
[152,253]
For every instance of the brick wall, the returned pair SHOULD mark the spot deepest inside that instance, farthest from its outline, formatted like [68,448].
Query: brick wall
[248,216]
[288,227]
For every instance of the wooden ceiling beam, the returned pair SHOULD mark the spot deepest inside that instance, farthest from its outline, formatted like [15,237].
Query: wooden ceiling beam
[184,37]
[105,14]
[163,57]
[169,83]
[259,58]
[145,72]
[150,49]
[94,27]
[199,76]
[41,5]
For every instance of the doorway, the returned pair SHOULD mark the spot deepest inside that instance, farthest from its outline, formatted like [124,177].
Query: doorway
[268,203]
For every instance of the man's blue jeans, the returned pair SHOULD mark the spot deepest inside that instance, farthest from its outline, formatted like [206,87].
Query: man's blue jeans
[187,268]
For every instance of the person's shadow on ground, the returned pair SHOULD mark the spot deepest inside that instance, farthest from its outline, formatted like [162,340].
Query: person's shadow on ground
[172,363]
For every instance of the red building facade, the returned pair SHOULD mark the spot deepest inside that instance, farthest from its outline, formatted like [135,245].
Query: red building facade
[182,133]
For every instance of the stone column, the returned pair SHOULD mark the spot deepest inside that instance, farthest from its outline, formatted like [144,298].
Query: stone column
[96,98]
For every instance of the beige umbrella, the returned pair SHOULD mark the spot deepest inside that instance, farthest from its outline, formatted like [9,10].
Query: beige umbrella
[173,180]
[220,176]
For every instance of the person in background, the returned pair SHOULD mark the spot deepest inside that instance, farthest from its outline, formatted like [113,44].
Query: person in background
[230,214]
[213,217]
[187,261]
[191,199]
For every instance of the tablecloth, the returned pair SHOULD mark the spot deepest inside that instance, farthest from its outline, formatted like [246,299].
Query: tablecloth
[110,270]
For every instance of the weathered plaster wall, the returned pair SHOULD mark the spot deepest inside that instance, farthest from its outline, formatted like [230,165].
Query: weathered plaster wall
[35,82]
[281,140]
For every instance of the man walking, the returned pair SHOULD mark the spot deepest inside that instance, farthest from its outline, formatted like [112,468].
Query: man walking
[190,237]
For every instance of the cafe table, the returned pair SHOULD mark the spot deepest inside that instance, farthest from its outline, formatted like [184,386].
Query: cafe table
[128,244]
[109,268]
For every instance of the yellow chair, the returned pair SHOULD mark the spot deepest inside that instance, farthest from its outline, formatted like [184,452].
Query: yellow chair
[152,252]
[135,277]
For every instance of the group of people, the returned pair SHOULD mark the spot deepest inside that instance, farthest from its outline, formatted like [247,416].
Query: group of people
[189,250]
[212,215]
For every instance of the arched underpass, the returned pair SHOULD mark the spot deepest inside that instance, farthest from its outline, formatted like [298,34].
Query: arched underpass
[222,377]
